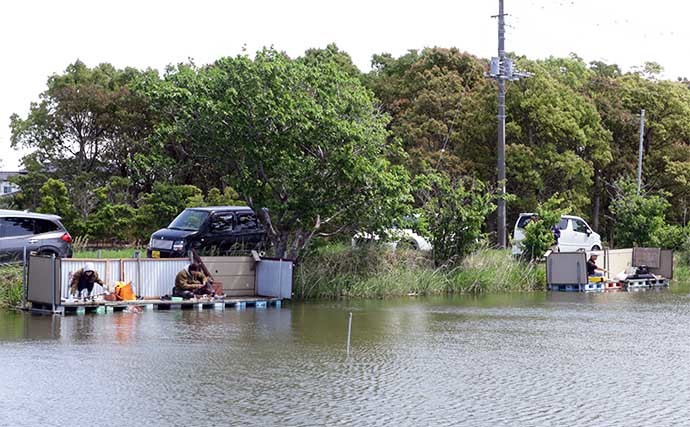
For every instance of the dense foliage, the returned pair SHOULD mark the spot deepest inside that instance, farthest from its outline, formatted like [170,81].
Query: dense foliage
[454,213]
[319,148]
[539,231]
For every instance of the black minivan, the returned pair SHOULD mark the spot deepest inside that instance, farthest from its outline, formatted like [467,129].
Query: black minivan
[214,230]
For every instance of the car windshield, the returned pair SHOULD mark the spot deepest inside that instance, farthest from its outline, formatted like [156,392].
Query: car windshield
[189,220]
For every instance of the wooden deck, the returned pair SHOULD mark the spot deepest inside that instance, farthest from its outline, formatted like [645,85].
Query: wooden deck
[75,307]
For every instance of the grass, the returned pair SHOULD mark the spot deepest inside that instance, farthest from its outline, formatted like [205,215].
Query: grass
[338,271]
[10,285]
[109,253]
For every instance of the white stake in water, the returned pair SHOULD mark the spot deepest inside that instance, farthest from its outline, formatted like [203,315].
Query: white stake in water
[349,330]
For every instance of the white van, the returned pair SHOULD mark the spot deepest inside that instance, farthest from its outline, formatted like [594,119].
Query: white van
[576,234]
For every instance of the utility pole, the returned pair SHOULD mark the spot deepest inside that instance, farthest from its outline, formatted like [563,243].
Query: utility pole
[639,157]
[501,153]
[502,70]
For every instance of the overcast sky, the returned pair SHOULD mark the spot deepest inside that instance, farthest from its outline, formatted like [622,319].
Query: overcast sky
[40,38]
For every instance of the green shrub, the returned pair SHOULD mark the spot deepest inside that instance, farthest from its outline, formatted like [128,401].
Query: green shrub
[538,232]
[454,213]
[11,287]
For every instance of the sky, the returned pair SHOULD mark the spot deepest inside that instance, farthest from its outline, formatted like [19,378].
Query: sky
[39,38]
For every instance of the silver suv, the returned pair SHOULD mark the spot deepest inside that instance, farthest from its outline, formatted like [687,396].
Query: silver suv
[40,233]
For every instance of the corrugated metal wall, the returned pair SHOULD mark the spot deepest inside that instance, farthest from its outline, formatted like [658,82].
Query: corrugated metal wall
[274,278]
[152,277]
[107,269]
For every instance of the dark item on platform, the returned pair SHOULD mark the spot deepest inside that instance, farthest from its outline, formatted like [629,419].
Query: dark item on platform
[642,272]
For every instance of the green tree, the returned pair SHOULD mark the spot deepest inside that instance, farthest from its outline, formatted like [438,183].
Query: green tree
[455,213]
[87,127]
[639,218]
[556,140]
[158,208]
[55,200]
[301,138]
[442,109]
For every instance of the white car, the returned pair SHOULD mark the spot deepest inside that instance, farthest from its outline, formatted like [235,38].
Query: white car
[396,237]
[576,234]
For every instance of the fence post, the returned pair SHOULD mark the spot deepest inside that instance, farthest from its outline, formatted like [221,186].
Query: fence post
[136,253]
[54,282]
[349,330]
[25,290]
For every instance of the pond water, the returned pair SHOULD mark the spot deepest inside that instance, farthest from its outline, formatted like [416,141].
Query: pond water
[540,359]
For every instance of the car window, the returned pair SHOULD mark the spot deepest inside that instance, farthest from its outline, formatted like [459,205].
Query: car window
[523,221]
[247,221]
[563,224]
[14,227]
[189,220]
[45,226]
[579,226]
[222,223]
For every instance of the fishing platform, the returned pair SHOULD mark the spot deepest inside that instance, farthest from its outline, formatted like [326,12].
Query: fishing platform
[77,307]
[250,281]
[638,269]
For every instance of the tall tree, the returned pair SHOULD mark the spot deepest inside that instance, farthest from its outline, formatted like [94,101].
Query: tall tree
[441,105]
[556,139]
[301,138]
[86,127]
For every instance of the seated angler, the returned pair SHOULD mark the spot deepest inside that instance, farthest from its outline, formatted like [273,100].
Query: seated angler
[191,282]
[593,269]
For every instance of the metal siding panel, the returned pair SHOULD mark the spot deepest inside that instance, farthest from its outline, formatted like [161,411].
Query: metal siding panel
[40,280]
[665,264]
[286,283]
[619,260]
[268,278]
[646,256]
[566,268]
[70,265]
[231,283]
[229,266]
[158,277]
[155,277]
[274,278]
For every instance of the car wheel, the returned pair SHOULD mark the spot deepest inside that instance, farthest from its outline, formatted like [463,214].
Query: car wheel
[596,248]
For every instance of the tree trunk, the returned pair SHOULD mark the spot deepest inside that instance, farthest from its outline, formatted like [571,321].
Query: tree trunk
[596,202]
[279,245]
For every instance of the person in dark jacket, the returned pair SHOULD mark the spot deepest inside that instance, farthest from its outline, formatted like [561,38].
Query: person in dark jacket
[84,279]
[191,282]
[592,268]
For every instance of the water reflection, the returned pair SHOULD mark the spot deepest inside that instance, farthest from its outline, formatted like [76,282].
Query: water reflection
[525,359]
[21,326]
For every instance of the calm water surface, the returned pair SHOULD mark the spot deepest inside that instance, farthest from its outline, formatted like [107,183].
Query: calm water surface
[556,359]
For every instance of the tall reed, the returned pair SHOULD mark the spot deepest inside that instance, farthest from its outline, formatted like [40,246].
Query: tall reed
[374,272]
